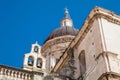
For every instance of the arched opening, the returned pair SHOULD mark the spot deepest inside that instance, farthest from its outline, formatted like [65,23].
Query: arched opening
[39,63]
[30,61]
[36,49]
[82,62]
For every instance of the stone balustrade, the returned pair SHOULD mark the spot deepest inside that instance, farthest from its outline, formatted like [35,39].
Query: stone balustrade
[14,73]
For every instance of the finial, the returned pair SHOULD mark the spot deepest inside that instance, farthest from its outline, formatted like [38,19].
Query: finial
[66,21]
[67,13]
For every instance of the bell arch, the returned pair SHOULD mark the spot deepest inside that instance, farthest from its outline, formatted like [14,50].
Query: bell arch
[30,60]
[39,62]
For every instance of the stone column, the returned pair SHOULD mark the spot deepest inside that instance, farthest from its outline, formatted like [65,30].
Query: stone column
[25,60]
[25,76]
[28,77]
[35,61]
[1,73]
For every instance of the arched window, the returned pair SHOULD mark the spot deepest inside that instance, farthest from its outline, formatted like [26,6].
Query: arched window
[36,49]
[82,62]
[30,61]
[39,63]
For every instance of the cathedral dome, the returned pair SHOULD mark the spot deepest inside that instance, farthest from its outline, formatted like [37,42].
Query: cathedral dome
[62,31]
[65,29]
[57,42]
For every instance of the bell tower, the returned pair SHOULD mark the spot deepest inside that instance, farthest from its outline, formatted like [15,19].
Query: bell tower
[34,61]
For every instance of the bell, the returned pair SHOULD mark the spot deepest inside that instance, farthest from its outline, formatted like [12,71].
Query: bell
[39,65]
[30,63]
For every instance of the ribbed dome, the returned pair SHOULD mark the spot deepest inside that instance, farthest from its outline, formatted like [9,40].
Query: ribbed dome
[62,31]
[65,29]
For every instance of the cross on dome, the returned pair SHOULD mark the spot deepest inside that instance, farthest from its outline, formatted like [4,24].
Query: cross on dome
[67,15]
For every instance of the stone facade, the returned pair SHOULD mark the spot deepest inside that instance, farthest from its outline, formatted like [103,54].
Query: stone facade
[95,48]
[10,73]
[93,53]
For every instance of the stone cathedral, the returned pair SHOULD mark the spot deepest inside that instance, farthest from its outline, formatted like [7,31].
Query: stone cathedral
[91,53]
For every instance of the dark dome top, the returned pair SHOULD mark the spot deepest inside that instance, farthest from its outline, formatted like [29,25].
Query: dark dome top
[61,32]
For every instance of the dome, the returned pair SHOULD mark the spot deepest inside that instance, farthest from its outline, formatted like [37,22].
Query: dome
[62,31]
[65,29]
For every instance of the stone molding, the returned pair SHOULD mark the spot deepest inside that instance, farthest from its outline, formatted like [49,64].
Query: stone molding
[57,40]
[95,14]
[108,75]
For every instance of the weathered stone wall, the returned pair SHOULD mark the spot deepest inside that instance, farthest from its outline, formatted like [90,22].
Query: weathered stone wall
[92,45]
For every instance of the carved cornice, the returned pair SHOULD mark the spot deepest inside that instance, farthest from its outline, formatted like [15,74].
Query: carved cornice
[109,75]
[105,53]
[61,39]
[95,14]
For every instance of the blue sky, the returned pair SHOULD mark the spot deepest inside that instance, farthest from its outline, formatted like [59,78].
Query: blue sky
[23,22]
